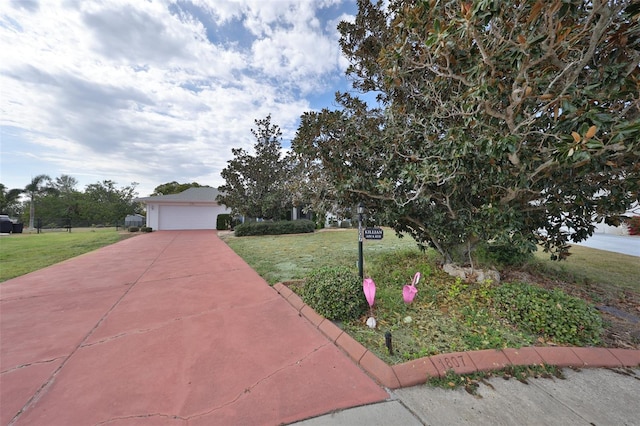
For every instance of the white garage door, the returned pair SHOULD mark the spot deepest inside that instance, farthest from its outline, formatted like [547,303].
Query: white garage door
[187,217]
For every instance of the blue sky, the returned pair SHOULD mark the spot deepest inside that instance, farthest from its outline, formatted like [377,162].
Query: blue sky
[157,91]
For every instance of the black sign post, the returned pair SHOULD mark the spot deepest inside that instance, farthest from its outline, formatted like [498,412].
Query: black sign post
[360,257]
[373,233]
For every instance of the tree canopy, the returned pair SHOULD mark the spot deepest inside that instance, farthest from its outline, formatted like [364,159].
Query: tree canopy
[10,200]
[58,203]
[255,184]
[106,203]
[515,122]
[174,187]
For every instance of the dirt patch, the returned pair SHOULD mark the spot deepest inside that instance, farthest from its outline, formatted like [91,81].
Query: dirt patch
[620,310]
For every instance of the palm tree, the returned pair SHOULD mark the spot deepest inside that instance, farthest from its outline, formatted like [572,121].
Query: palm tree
[40,184]
[8,199]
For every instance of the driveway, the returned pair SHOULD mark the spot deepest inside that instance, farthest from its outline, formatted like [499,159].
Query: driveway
[166,328]
[625,244]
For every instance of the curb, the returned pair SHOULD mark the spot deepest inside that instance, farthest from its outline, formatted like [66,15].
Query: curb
[419,371]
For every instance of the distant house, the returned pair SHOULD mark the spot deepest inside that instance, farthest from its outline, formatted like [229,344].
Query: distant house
[623,229]
[134,220]
[194,208]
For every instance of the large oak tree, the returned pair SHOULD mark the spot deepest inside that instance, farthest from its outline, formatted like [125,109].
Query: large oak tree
[516,122]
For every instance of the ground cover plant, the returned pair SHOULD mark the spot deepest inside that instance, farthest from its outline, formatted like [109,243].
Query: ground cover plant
[28,252]
[448,314]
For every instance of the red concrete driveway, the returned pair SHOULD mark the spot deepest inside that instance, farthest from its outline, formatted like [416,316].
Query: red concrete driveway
[166,328]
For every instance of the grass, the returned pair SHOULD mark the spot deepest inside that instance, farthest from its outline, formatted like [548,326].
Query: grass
[447,315]
[281,258]
[28,252]
[610,271]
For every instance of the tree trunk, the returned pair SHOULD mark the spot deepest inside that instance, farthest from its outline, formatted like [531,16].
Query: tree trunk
[32,212]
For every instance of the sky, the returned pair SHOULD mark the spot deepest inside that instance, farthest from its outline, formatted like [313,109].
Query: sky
[154,91]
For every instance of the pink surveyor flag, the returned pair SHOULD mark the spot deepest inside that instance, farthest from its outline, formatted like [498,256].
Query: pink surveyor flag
[369,288]
[409,291]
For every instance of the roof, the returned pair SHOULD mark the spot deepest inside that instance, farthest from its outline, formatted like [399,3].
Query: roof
[135,216]
[204,194]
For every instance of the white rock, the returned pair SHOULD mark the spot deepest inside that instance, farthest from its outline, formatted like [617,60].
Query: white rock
[468,274]
[371,322]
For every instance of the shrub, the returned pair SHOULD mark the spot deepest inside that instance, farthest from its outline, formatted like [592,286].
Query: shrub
[495,254]
[335,293]
[553,314]
[146,229]
[634,225]
[223,222]
[133,229]
[275,228]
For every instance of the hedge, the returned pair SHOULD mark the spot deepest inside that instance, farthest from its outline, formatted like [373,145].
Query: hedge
[275,228]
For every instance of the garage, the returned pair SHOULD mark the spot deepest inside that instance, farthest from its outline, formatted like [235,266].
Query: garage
[195,208]
[187,217]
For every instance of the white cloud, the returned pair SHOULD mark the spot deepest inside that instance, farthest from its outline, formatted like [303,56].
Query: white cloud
[155,91]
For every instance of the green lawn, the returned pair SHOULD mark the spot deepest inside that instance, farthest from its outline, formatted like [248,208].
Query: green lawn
[24,253]
[280,258]
[611,271]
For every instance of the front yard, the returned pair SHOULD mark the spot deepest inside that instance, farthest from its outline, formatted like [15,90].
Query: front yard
[448,315]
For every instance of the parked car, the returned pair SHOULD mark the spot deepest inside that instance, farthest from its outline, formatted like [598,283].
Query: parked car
[6,224]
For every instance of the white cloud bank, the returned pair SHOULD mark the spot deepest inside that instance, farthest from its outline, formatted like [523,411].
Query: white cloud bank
[155,91]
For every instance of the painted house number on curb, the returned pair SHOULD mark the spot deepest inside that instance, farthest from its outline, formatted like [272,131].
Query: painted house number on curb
[451,362]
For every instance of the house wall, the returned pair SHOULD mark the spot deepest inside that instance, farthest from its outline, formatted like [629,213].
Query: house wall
[152,215]
[603,228]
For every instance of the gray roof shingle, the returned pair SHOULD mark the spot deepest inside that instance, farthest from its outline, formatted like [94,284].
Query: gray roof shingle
[191,195]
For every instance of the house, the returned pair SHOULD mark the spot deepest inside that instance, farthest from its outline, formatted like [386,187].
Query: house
[194,208]
[622,229]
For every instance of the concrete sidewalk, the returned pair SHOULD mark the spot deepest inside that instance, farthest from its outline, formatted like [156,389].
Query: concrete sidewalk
[587,397]
[167,328]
